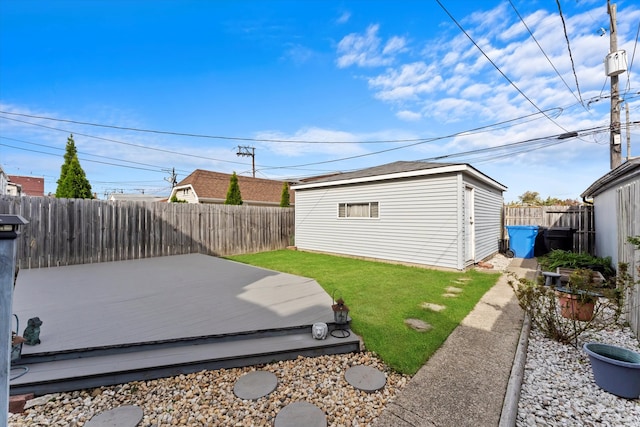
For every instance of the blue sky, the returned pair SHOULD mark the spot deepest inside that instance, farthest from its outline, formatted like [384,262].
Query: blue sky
[313,86]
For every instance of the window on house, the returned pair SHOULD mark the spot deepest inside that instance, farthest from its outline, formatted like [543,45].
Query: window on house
[185,191]
[358,210]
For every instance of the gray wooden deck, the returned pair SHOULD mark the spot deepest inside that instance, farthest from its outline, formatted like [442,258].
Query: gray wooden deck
[119,321]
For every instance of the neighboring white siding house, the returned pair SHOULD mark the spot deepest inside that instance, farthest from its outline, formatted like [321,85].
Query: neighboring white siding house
[434,214]
[3,182]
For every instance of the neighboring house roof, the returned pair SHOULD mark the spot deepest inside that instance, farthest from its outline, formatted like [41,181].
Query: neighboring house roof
[31,185]
[628,169]
[396,170]
[211,187]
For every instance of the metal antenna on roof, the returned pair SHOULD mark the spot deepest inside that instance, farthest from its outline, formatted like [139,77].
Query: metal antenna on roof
[173,178]
[246,151]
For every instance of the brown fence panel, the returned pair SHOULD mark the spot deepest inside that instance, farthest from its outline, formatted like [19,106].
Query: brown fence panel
[79,231]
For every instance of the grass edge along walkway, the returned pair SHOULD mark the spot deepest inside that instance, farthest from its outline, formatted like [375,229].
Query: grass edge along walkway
[381,296]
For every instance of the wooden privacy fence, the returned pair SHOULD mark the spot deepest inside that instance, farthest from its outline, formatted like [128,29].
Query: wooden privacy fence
[80,231]
[579,218]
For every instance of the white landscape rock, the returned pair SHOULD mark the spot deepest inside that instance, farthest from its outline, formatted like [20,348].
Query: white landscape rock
[559,390]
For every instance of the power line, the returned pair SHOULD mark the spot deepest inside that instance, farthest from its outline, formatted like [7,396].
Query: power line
[579,99]
[83,153]
[177,153]
[489,158]
[496,66]
[635,45]
[194,135]
[220,137]
[566,36]
[83,159]
[265,167]
[542,140]
[423,141]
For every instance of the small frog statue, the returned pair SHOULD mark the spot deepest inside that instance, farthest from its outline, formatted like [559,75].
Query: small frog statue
[32,331]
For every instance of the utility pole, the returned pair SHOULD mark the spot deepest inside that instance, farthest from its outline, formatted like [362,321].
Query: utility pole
[246,151]
[614,137]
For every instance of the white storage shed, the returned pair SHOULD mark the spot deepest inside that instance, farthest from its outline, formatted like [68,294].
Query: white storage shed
[446,215]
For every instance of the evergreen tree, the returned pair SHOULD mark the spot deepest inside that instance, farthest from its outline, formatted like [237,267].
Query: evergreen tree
[73,183]
[284,198]
[233,193]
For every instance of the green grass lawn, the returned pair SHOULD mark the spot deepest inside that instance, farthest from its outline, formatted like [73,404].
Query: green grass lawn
[381,296]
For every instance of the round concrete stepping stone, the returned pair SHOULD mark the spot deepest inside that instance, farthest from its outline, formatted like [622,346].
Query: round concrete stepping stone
[433,307]
[254,385]
[418,325]
[365,378]
[298,414]
[122,416]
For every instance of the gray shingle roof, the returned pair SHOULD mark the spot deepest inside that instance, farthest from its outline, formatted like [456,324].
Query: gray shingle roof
[389,168]
[627,169]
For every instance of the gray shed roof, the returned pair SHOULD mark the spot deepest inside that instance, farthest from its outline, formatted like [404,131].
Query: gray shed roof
[626,170]
[395,170]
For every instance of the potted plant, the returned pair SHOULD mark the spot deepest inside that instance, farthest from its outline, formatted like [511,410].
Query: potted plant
[577,300]
[543,304]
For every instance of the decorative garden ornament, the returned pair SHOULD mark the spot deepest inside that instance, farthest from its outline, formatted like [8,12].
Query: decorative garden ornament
[319,330]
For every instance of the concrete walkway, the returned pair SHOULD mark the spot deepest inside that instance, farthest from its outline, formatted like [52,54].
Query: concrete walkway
[465,383]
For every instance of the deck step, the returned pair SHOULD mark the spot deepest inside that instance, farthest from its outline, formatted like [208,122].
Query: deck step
[150,363]
[34,357]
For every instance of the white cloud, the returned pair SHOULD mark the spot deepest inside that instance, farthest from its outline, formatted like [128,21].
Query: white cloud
[364,50]
[344,18]
[476,90]
[407,82]
[408,116]
[395,45]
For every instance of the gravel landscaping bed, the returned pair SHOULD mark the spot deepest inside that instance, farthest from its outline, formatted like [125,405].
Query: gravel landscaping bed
[206,398]
[559,389]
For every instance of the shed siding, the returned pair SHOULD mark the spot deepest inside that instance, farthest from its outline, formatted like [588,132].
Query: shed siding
[418,222]
[488,218]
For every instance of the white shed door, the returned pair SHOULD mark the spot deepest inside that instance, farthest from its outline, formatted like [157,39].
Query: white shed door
[469,227]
